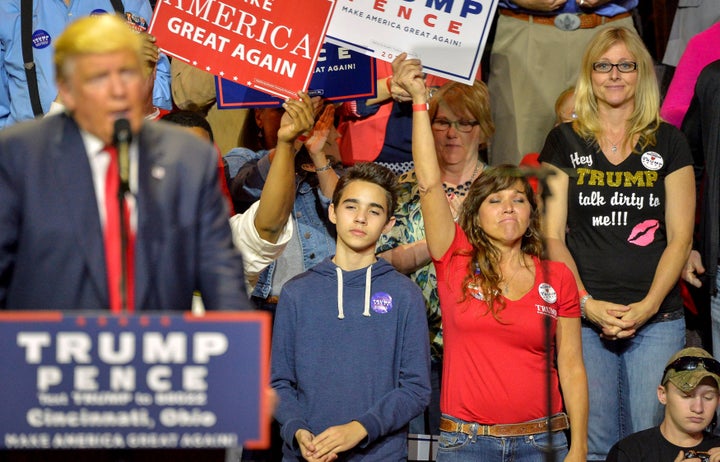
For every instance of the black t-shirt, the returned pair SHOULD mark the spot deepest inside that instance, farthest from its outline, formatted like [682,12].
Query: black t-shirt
[616,213]
[651,446]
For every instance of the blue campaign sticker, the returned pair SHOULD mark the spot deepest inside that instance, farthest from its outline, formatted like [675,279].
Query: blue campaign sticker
[381,302]
[41,39]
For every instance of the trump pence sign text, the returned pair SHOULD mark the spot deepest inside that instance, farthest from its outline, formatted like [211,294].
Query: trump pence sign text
[124,382]
[447,35]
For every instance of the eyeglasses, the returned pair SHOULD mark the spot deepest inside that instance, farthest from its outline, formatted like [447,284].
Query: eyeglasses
[690,363]
[624,66]
[463,126]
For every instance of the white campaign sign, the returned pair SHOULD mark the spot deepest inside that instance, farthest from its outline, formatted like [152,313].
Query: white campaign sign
[447,35]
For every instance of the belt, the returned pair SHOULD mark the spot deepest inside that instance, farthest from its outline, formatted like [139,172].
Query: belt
[566,21]
[557,422]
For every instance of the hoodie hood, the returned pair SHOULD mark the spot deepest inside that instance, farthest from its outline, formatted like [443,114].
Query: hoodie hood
[363,278]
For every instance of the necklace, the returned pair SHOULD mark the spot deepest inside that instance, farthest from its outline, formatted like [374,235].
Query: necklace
[614,146]
[506,286]
[463,188]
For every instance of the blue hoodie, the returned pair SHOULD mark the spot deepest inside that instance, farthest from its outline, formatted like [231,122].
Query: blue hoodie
[351,345]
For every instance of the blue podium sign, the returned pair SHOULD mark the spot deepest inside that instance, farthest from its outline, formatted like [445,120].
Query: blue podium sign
[137,381]
[340,75]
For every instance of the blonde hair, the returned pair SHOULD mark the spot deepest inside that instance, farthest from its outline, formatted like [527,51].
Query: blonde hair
[96,34]
[645,119]
[474,99]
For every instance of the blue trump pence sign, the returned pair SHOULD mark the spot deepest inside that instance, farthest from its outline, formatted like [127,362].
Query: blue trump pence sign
[142,381]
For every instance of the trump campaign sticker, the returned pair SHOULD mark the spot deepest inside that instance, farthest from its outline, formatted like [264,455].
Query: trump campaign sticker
[547,292]
[652,160]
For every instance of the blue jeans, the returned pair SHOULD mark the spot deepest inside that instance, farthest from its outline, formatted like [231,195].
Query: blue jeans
[459,447]
[715,316]
[715,329]
[623,376]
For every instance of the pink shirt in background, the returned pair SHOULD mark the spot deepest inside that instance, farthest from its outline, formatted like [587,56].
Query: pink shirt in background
[701,50]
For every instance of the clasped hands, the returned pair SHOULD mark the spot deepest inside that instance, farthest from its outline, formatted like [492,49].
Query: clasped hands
[326,446]
[618,321]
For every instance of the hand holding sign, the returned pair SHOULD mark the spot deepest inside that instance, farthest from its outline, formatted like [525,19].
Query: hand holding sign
[298,118]
[409,76]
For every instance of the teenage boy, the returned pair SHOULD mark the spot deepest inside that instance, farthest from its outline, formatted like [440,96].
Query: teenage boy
[689,392]
[350,356]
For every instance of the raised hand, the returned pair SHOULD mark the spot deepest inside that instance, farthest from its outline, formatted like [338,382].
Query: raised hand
[409,76]
[298,118]
[317,141]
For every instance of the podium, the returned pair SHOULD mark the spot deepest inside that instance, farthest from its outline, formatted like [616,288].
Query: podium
[132,387]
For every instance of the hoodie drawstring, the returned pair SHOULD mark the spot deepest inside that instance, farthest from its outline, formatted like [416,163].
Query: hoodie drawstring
[368,275]
[341,312]
[368,283]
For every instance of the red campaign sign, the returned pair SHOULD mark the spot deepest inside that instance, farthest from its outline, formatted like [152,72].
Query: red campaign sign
[268,45]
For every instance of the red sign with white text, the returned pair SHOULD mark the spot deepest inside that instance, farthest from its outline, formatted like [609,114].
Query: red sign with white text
[268,45]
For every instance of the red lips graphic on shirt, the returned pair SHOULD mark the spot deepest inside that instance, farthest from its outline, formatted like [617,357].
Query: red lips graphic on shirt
[644,233]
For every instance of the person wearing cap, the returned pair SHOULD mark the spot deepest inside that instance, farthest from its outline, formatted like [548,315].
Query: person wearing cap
[689,392]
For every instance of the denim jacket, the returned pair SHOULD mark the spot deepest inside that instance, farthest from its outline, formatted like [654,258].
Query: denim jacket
[309,214]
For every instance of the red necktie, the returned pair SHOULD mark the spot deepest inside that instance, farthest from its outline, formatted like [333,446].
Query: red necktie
[113,240]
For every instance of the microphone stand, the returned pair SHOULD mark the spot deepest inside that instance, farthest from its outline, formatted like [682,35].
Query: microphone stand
[121,139]
[124,226]
[542,175]
[550,452]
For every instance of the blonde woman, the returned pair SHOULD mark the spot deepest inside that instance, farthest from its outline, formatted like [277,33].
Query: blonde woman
[620,215]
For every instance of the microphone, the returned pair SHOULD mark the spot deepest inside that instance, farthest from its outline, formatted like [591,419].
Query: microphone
[541,173]
[122,136]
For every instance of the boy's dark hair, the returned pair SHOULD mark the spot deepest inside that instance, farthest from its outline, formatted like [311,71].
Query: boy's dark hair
[372,173]
[189,119]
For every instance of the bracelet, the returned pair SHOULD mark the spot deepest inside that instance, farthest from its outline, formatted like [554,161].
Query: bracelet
[388,84]
[420,107]
[322,169]
[583,301]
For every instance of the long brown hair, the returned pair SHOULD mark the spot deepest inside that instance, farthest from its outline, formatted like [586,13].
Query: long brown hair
[484,267]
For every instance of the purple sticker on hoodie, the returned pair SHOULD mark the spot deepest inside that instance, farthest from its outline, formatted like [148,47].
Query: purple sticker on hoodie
[381,302]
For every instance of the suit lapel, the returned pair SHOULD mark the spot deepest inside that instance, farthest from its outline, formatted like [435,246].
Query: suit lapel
[70,163]
[151,174]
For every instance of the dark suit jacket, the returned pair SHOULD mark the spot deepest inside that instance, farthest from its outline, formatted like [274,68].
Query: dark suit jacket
[51,242]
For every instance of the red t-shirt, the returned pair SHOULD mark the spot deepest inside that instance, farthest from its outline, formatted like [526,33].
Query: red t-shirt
[494,371]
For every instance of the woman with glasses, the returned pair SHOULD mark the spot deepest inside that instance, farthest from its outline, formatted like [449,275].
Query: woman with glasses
[501,308]
[620,215]
[461,126]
